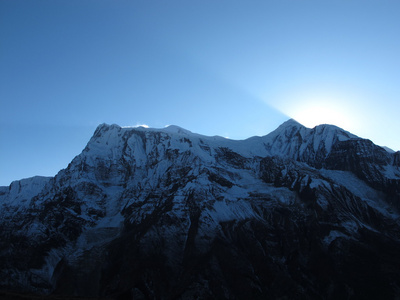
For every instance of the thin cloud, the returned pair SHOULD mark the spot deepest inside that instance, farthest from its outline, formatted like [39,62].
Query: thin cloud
[137,125]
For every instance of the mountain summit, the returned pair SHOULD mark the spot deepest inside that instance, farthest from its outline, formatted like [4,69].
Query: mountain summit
[146,213]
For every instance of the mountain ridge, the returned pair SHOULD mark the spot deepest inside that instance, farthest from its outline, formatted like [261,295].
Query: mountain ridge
[166,213]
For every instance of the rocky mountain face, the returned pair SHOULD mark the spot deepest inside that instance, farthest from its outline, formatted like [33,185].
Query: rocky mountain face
[168,214]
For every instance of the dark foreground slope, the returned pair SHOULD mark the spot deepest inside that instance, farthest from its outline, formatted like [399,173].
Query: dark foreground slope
[167,214]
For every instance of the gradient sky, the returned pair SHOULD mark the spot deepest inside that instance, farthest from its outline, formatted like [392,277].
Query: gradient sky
[229,68]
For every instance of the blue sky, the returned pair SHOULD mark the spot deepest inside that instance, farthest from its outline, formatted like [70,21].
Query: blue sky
[229,68]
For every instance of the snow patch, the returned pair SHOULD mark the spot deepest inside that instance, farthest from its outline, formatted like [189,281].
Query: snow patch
[359,188]
[20,192]
[392,172]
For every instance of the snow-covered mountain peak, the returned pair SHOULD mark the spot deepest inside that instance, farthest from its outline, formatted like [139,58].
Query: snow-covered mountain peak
[291,138]
[297,141]
[177,129]
[291,123]
[21,191]
[291,128]
[103,128]
[288,128]
[141,208]
[327,129]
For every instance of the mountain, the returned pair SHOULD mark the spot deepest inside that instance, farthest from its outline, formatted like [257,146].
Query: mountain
[148,213]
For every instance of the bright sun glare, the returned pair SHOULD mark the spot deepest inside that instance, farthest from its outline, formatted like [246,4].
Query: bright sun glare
[315,109]
[316,113]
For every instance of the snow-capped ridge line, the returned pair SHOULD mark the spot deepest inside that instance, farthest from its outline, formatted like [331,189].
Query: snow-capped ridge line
[291,139]
[290,124]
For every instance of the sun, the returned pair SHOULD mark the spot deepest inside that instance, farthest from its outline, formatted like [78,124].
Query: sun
[312,107]
[316,112]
